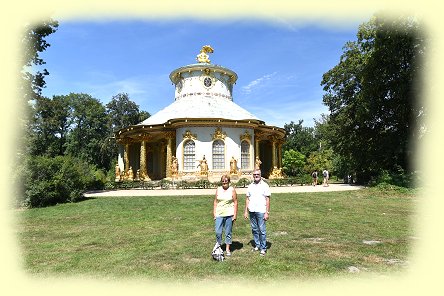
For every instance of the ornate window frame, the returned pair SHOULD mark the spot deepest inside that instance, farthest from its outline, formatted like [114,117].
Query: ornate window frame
[188,158]
[218,159]
[245,157]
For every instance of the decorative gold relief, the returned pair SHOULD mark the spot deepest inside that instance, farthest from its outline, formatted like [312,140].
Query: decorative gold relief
[276,173]
[260,136]
[124,141]
[144,136]
[232,79]
[273,138]
[189,135]
[202,57]
[177,77]
[245,136]
[219,134]
[208,80]
[170,135]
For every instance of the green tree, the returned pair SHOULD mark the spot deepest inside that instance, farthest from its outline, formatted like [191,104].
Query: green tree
[293,162]
[319,161]
[60,179]
[123,112]
[373,96]
[300,138]
[32,81]
[89,130]
[49,126]
[34,43]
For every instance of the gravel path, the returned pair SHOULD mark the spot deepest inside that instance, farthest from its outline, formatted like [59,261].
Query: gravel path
[169,192]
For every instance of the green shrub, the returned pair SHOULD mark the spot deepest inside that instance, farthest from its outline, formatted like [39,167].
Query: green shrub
[303,179]
[149,184]
[242,182]
[184,184]
[60,179]
[165,184]
[203,184]
[216,184]
[397,177]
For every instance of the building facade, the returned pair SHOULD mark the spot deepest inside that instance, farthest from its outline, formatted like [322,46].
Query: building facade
[202,134]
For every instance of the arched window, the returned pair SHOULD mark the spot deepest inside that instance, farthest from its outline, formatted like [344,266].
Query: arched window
[189,155]
[218,155]
[245,155]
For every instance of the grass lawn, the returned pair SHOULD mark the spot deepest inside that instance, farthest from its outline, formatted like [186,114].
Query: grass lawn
[170,238]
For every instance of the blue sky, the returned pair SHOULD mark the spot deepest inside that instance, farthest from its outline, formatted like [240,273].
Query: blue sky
[279,65]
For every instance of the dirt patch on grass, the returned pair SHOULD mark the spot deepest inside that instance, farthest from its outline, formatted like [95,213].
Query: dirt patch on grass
[373,259]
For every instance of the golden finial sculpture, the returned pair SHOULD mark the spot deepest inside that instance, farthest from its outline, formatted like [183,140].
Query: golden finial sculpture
[202,57]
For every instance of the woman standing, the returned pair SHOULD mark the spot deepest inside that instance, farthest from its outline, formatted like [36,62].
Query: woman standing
[225,211]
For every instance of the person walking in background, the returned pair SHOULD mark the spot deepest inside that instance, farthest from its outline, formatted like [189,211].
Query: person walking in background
[225,212]
[257,208]
[314,175]
[325,174]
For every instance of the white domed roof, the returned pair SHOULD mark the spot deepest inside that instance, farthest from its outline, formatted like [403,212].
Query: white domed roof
[203,91]
[200,107]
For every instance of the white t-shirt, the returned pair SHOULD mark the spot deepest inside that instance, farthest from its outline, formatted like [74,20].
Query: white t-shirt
[256,194]
[225,202]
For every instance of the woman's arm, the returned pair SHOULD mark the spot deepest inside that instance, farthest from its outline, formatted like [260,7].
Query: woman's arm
[215,205]
[235,204]
[246,207]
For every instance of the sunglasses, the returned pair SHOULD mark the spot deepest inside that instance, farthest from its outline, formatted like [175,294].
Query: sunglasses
[255,175]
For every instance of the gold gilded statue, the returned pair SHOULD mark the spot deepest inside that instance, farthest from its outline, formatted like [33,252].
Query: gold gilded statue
[118,177]
[130,174]
[203,166]
[174,167]
[233,166]
[202,57]
[257,163]
[276,173]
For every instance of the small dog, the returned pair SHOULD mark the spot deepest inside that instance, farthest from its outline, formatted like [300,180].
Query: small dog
[217,253]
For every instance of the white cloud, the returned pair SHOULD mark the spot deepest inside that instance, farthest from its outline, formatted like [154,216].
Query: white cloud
[257,83]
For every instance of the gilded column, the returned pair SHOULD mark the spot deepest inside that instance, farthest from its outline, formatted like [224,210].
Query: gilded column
[256,146]
[125,142]
[143,165]
[126,156]
[169,155]
[273,151]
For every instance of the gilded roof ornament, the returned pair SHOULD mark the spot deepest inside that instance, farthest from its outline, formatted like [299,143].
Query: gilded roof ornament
[203,57]
[189,135]
[219,134]
[245,136]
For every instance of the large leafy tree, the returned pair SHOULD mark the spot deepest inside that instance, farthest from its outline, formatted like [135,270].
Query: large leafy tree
[34,42]
[319,161]
[124,112]
[32,81]
[89,130]
[293,162]
[121,112]
[373,96]
[300,138]
[49,126]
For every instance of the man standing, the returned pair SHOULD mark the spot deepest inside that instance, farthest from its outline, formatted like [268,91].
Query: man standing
[325,174]
[314,175]
[257,208]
